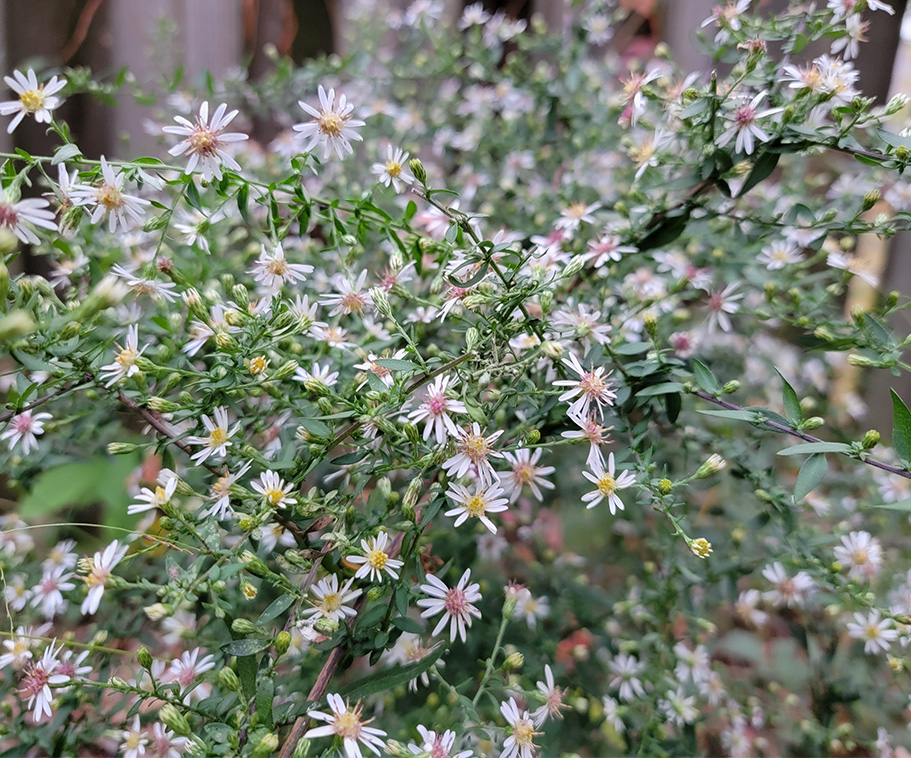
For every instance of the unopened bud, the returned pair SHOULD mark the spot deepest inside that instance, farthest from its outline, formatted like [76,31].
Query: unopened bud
[381,301]
[533,437]
[282,643]
[574,266]
[225,341]
[650,321]
[862,361]
[472,339]
[122,448]
[814,422]
[871,198]
[418,171]
[157,611]
[174,720]
[243,626]
[513,662]
[160,405]
[267,745]
[144,657]
[665,486]
[870,439]
[327,626]
[229,680]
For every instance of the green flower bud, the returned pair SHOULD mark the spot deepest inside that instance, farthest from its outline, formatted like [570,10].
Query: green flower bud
[513,662]
[160,405]
[326,626]
[814,422]
[574,267]
[381,301]
[122,448]
[285,371]
[862,361]
[729,387]
[712,466]
[870,439]
[4,281]
[167,523]
[301,749]
[144,657]
[229,680]
[325,405]
[418,171]
[174,720]
[533,437]
[267,745]
[870,199]
[665,486]
[244,626]
[227,343]
[282,643]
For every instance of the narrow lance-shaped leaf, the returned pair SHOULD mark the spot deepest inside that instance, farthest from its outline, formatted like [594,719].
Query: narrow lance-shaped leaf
[791,401]
[901,427]
[811,474]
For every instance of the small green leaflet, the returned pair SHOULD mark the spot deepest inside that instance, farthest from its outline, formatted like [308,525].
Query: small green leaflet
[705,378]
[791,401]
[392,677]
[811,474]
[816,447]
[901,427]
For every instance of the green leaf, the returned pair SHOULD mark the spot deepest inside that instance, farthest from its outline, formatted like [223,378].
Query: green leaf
[349,458]
[265,693]
[396,364]
[665,388]
[816,447]
[666,232]
[192,194]
[410,210]
[705,378]
[392,677]
[763,166]
[244,648]
[471,282]
[317,428]
[811,474]
[895,140]
[407,625]
[900,505]
[243,196]
[901,427]
[276,607]
[751,416]
[633,348]
[791,401]
[65,153]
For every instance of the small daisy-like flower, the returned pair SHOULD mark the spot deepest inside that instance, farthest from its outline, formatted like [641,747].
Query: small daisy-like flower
[525,471]
[862,553]
[678,709]
[789,592]
[720,305]
[273,271]
[187,670]
[25,427]
[595,433]
[701,547]
[392,171]
[553,699]
[473,450]
[347,722]
[134,740]
[744,128]
[332,602]
[35,99]
[626,670]
[592,388]
[99,571]
[165,744]
[332,125]
[531,608]
[143,285]
[436,409]
[877,632]
[109,198]
[317,379]
[48,593]
[204,141]
[607,485]
[348,298]
[16,593]
[157,498]
[221,494]
[779,254]
[38,679]
[219,438]
[375,559]
[576,214]
[476,504]
[274,490]
[520,742]
[124,365]
[437,745]
[454,603]
[410,648]
[19,216]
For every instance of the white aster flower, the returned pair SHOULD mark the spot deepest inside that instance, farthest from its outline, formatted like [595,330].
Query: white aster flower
[375,559]
[788,592]
[38,679]
[346,722]
[218,439]
[454,603]
[744,129]
[204,141]
[592,388]
[392,170]
[553,699]
[134,740]
[221,494]
[607,485]
[525,471]
[149,499]
[124,365]
[678,709]
[273,271]
[779,254]
[862,553]
[626,670]
[274,490]
[332,125]
[472,452]
[437,745]
[476,504]
[48,593]
[332,601]
[521,729]
[876,632]
[108,198]
[99,571]
[25,427]
[435,410]
[35,99]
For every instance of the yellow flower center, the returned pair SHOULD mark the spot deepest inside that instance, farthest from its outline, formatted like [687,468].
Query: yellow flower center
[475,505]
[133,740]
[110,197]
[576,210]
[524,733]
[607,484]
[33,100]
[331,124]
[217,437]
[277,267]
[127,358]
[161,496]
[475,447]
[701,547]
[274,496]
[377,558]
[258,365]
[332,602]
[203,141]
[348,725]
[393,168]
